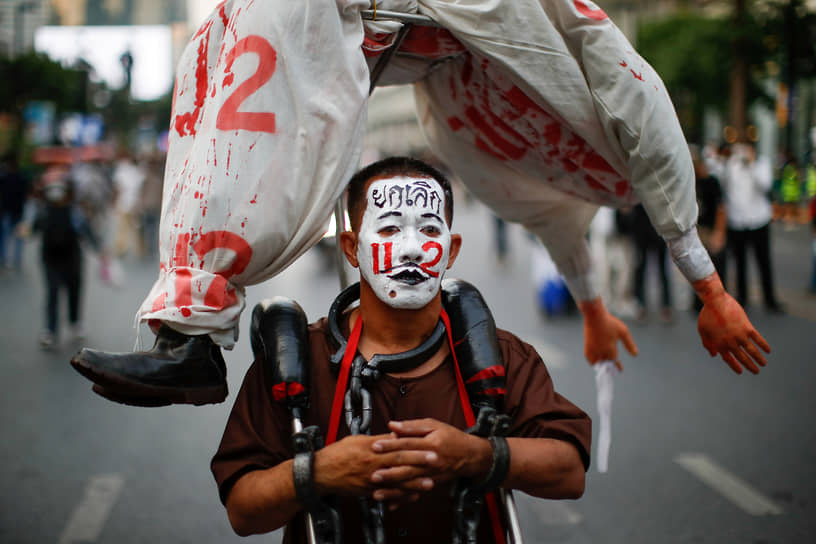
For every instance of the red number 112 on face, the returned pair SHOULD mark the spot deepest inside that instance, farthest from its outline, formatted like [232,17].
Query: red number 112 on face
[229,118]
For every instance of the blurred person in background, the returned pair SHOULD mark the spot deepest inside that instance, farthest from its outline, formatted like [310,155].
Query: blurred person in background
[62,226]
[612,251]
[150,201]
[790,189]
[813,232]
[715,158]
[810,187]
[128,179]
[648,242]
[712,222]
[747,181]
[93,187]
[500,239]
[14,189]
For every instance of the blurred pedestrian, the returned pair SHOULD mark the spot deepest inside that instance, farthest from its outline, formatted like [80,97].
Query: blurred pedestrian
[747,181]
[790,189]
[812,211]
[150,201]
[712,222]
[14,189]
[128,178]
[500,238]
[649,243]
[810,182]
[63,227]
[93,189]
[715,158]
[552,296]
[612,251]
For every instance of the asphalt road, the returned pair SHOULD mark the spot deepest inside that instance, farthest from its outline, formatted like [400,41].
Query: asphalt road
[698,454]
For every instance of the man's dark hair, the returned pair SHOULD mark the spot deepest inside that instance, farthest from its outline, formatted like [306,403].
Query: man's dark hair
[393,166]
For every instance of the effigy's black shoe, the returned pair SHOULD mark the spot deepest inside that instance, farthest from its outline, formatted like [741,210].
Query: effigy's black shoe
[179,369]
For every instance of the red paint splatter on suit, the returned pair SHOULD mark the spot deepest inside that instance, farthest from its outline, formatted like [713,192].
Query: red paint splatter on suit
[431,43]
[455,123]
[185,124]
[223,14]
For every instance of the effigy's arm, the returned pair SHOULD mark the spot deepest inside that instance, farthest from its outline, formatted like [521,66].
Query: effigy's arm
[640,122]
[561,234]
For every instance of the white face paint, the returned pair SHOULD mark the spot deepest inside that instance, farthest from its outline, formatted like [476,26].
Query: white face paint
[404,241]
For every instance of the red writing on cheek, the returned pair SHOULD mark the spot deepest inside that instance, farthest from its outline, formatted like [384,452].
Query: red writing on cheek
[375,257]
[427,247]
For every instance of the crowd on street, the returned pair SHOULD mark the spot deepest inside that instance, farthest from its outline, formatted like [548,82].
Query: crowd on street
[112,205]
[107,205]
[739,196]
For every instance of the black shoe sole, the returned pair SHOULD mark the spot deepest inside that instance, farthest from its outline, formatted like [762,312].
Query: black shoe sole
[114,388]
[144,402]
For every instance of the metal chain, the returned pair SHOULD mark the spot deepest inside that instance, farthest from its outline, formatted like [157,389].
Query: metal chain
[468,500]
[357,402]
[357,410]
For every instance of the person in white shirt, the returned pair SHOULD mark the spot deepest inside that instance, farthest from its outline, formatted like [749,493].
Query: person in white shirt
[128,178]
[748,180]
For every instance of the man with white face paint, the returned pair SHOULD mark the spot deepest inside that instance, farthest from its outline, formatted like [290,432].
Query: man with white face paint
[412,453]
[404,244]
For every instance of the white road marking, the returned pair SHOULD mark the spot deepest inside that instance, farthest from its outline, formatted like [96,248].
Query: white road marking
[92,512]
[553,357]
[733,488]
[553,512]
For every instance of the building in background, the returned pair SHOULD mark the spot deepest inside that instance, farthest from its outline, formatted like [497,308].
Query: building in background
[117,12]
[19,20]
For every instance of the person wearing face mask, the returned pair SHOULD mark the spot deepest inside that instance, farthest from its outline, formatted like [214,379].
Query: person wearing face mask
[412,452]
[63,227]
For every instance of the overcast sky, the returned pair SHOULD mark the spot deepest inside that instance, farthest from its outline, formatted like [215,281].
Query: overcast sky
[102,46]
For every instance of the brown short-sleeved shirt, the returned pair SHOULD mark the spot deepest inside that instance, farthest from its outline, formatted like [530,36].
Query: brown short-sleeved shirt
[258,432]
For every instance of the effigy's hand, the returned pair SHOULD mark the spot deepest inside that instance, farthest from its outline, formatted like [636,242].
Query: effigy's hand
[725,329]
[602,331]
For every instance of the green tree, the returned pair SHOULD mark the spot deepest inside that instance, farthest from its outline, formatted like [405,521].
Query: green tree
[694,55]
[34,76]
[721,61]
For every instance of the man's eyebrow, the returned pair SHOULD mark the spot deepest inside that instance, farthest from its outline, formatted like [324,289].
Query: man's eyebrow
[432,216]
[389,214]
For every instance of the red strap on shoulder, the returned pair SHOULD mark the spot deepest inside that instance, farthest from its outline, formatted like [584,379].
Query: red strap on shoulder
[342,381]
[470,419]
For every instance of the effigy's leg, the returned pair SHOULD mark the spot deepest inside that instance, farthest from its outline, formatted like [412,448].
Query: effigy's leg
[266,129]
